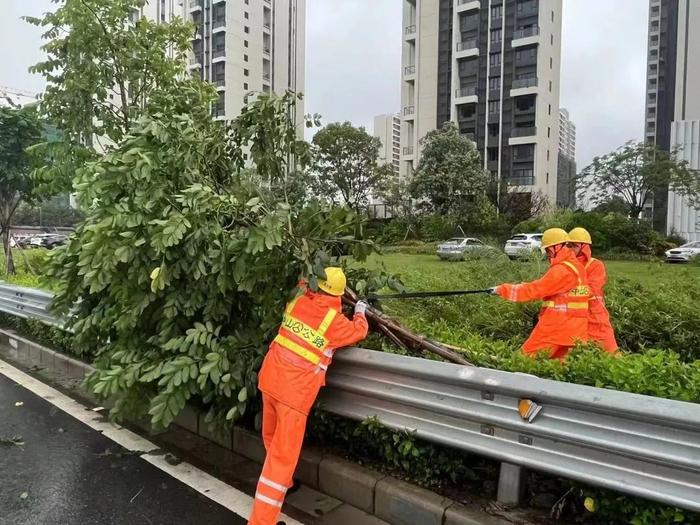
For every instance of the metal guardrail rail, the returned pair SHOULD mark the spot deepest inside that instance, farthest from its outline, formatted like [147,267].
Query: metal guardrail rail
[639,445]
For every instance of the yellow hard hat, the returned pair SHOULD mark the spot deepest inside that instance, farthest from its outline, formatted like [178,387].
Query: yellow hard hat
[580,235]
[554,236]
[335,281]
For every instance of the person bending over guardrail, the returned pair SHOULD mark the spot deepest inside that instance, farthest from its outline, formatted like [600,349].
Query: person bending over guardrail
[565,294]
[293,372]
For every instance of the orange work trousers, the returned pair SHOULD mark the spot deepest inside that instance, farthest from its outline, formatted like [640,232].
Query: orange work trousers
[283,434]
[555,351]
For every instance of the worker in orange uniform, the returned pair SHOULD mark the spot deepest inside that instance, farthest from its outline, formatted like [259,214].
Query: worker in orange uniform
[563,289]
[599,328]
[293,372]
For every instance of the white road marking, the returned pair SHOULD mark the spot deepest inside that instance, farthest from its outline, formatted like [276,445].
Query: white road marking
[211,487]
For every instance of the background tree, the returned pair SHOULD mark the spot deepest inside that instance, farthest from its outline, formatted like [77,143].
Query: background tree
[104,68]
[614,204]
[345,165]
[450,174]
[19,129]
[634,172]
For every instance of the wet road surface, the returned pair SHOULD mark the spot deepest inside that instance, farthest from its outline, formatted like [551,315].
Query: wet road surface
[56,470]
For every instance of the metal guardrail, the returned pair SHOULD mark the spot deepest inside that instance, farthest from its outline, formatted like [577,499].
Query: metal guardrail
[634,444]
[28,303]
[640,445]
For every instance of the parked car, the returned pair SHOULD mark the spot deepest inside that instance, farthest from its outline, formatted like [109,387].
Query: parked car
[523,245]
[47,240]
[456,248]
[684,253]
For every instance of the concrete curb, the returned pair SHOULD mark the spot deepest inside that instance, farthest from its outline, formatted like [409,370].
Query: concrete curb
[387,498]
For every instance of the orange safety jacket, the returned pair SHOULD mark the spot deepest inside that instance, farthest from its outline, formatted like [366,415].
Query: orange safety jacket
[599,327]
[565,294]
[312,329]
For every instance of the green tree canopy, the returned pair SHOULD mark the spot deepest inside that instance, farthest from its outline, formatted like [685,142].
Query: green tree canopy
[634,172]
[105,67]
[450,174]
[19,129]
[345,166]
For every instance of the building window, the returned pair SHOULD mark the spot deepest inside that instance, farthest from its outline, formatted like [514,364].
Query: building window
[550,109]
[552,16]
[245,43]
[245,15]
[551,62]
[493,154]
[245,58]
[247,2]
[550,86]
[547,154]
[245,86]
[496,36]
[246,29]
[493,130]
[246,73]
[549,132]
[497,12]
[551,39]
[495,59]
[494,83]
[494,106]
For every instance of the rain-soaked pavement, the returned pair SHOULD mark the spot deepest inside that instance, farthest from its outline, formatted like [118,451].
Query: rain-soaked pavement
[57,470]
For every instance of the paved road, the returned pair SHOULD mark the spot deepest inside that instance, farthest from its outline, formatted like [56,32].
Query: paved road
[66,473]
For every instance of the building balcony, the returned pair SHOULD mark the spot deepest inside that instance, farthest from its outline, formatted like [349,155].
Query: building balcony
[214,2]
[409,112]
[409,73]
[468,48]
[526,135]
[409,32]
[218,55]
[523,86]
[467,5]
[526,36]
[466,95]
[195,5]
[218,25]
[220,84]
[194,63]
[267,27]
[408,152]
[266,78]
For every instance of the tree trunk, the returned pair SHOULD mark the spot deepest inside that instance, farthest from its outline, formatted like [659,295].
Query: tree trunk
[9,262]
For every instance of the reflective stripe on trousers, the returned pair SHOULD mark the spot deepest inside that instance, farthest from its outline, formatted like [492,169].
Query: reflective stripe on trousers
[283,434]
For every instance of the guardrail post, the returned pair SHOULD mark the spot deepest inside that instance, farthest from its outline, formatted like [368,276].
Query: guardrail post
[511,484]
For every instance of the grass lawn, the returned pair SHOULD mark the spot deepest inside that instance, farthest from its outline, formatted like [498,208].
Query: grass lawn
[647,273]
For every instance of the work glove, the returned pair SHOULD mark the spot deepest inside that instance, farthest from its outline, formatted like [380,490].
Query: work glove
[360,307]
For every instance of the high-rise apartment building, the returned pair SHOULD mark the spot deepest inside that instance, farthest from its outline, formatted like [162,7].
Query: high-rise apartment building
[566,166]
[661,90]
[492,68]
[387,128]
[567,134]
[683,216]
[248,46]
[673,80]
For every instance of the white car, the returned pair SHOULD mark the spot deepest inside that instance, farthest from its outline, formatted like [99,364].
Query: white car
[523,245]
[684,253]
[457,247]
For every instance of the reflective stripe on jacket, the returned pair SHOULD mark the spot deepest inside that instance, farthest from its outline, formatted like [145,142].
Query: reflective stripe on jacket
[312,329]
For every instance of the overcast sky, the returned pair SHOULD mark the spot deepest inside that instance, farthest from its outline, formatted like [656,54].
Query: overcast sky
[353,63]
